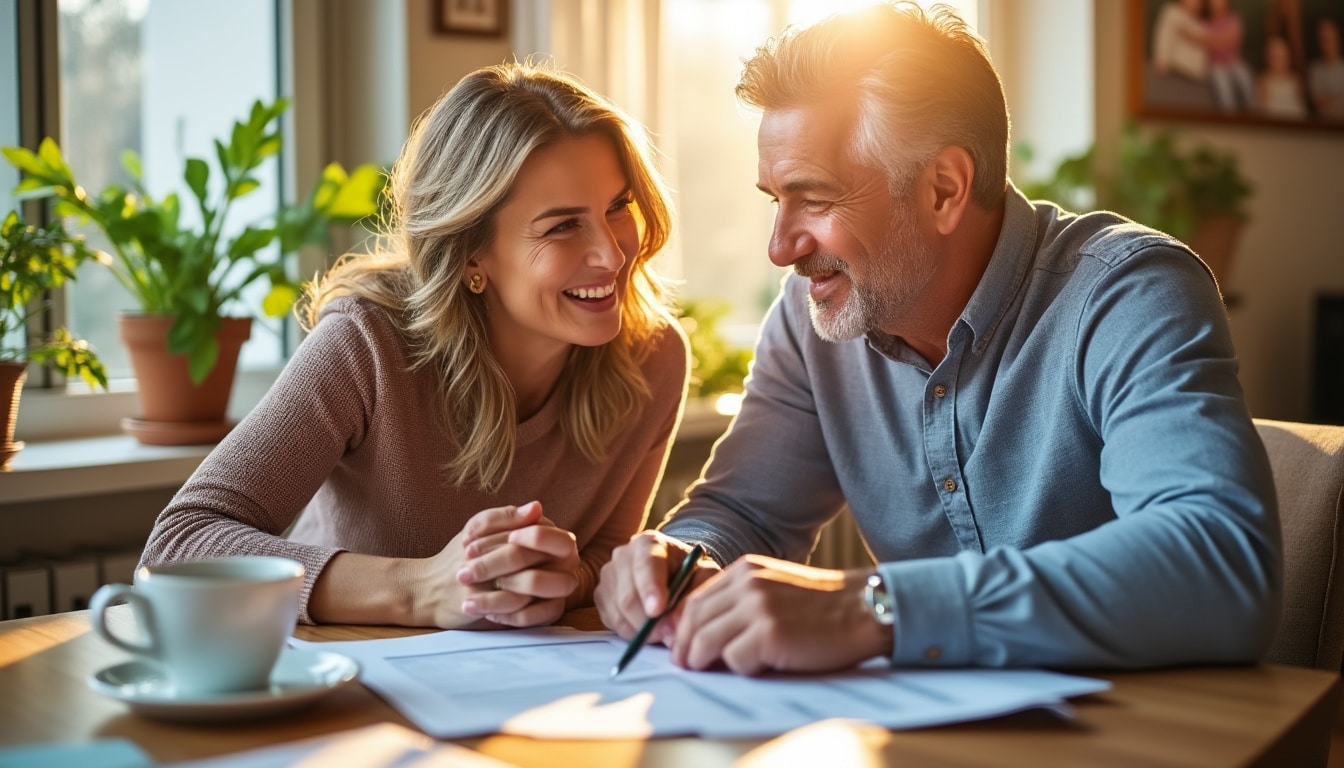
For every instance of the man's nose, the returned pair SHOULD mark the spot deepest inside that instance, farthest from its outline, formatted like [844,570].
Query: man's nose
[789,244]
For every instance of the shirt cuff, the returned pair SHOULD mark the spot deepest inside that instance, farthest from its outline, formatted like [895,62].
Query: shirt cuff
[933,627]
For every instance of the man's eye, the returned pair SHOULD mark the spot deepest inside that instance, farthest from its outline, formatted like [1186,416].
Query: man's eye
[816,205]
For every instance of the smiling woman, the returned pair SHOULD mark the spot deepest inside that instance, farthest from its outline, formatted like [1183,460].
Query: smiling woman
[484,406]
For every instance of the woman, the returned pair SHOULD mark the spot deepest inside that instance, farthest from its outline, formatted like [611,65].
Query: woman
[484,406]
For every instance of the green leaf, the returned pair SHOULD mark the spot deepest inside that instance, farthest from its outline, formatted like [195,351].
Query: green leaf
[202,359]
[25,160]
[34,189]
[185,334]
[197,177]
[131,162]
[249,242]
[279,300]
[268,146]
[50,154]
[357,198]
[243,186]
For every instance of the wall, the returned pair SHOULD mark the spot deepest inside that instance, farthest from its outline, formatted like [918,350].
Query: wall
[1053,120]
[1290,250]
[436,61]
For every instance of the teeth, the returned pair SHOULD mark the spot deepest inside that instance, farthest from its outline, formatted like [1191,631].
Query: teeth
[600,292]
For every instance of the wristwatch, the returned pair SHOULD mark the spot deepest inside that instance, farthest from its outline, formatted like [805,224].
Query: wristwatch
[880,603]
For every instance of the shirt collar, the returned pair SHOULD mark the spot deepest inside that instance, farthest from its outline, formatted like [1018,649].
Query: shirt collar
[993,297]
[1013,256]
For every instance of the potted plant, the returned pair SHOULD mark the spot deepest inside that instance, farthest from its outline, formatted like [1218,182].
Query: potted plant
[1197,195]
[716,367]
[33,260]
[188,277]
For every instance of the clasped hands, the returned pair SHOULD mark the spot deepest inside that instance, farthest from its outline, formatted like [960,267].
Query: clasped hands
[508,565]
[755,615]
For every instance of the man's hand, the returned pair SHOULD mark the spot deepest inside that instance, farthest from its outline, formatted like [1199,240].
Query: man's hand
[764,614]
[633,584]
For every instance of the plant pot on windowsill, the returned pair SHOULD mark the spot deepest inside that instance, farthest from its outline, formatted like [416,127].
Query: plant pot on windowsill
[173,409]
[184,271]
[11,386]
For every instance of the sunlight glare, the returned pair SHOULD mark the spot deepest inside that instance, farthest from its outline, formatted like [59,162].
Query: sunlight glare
[18,644]
[827,742]
[803,12]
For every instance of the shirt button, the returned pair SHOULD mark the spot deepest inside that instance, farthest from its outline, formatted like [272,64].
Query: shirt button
[933,653]
[949,485]
[939,390]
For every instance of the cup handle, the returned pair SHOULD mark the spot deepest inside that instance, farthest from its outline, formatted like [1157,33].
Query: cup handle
[110,594]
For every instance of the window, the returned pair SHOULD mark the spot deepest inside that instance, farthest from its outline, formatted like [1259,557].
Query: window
[163,78]
[9,97]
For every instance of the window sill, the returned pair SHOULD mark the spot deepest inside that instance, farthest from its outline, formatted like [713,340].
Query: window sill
[96,465]
[91,466]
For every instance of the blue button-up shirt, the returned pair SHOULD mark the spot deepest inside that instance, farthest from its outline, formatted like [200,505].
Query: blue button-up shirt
[1077,483]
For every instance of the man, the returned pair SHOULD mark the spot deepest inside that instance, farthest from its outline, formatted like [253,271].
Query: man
[1033,416]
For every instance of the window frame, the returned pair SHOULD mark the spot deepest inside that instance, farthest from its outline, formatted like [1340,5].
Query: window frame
[53,409]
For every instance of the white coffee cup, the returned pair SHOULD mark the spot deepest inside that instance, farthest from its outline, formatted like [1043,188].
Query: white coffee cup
[213,626]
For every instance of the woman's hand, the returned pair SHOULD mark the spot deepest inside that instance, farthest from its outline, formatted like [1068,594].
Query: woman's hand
[518,567]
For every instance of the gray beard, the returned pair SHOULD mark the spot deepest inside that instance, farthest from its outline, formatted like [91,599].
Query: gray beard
[902,270]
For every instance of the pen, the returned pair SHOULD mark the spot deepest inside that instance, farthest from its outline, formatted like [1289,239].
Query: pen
[679,584]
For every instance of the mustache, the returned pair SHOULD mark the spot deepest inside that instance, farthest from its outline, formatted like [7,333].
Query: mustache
[820,264]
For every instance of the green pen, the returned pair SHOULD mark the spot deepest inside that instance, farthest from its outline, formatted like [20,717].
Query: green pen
[674,594]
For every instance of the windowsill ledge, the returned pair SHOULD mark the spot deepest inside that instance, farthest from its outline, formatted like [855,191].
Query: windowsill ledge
[91,466]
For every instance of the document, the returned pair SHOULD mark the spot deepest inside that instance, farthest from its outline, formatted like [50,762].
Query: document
[553,683]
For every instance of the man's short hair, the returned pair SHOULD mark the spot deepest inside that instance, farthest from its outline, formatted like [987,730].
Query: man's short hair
[922,82]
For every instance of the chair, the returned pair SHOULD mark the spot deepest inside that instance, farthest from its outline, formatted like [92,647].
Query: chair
[1308,465]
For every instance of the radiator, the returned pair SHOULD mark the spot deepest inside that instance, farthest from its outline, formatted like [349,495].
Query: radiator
[36,586]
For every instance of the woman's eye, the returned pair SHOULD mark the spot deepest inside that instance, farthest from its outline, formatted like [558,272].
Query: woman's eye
[622,205]
[563,226]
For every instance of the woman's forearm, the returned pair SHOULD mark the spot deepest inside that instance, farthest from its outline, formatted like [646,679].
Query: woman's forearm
[356,588]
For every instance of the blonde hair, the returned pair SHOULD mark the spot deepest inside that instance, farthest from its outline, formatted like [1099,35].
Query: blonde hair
[922,81]
[454,173]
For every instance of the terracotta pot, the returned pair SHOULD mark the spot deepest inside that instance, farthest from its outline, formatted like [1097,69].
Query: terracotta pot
[1215,240]
[173,410]
[11,386]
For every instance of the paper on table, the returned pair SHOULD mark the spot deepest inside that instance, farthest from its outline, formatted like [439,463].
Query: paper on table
[553,683]
[384,744]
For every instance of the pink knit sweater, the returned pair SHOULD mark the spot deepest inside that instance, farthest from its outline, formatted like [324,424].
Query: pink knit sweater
[347,437]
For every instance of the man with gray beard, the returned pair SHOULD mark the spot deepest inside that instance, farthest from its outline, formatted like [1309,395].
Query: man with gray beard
[1034,416]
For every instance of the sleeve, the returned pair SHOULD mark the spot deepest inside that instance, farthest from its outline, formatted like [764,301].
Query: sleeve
[254,484]
[769,486]
[668,372]
[1190,569]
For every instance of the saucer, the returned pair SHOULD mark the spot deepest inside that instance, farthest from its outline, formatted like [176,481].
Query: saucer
[177,432]
[300,677]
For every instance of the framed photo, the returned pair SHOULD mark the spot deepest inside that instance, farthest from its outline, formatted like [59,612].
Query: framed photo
[1255,62]
[484,18]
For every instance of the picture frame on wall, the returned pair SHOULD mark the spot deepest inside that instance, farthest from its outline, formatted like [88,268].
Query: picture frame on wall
[482,18]
[1273,63]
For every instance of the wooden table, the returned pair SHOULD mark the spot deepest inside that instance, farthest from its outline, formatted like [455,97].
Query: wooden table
[1213,716]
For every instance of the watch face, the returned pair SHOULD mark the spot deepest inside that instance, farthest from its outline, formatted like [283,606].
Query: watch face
[879,601]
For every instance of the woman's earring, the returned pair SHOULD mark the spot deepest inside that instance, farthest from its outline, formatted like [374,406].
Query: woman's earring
[477,283]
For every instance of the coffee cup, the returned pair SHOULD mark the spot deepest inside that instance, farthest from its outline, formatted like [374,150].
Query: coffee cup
[212,626]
